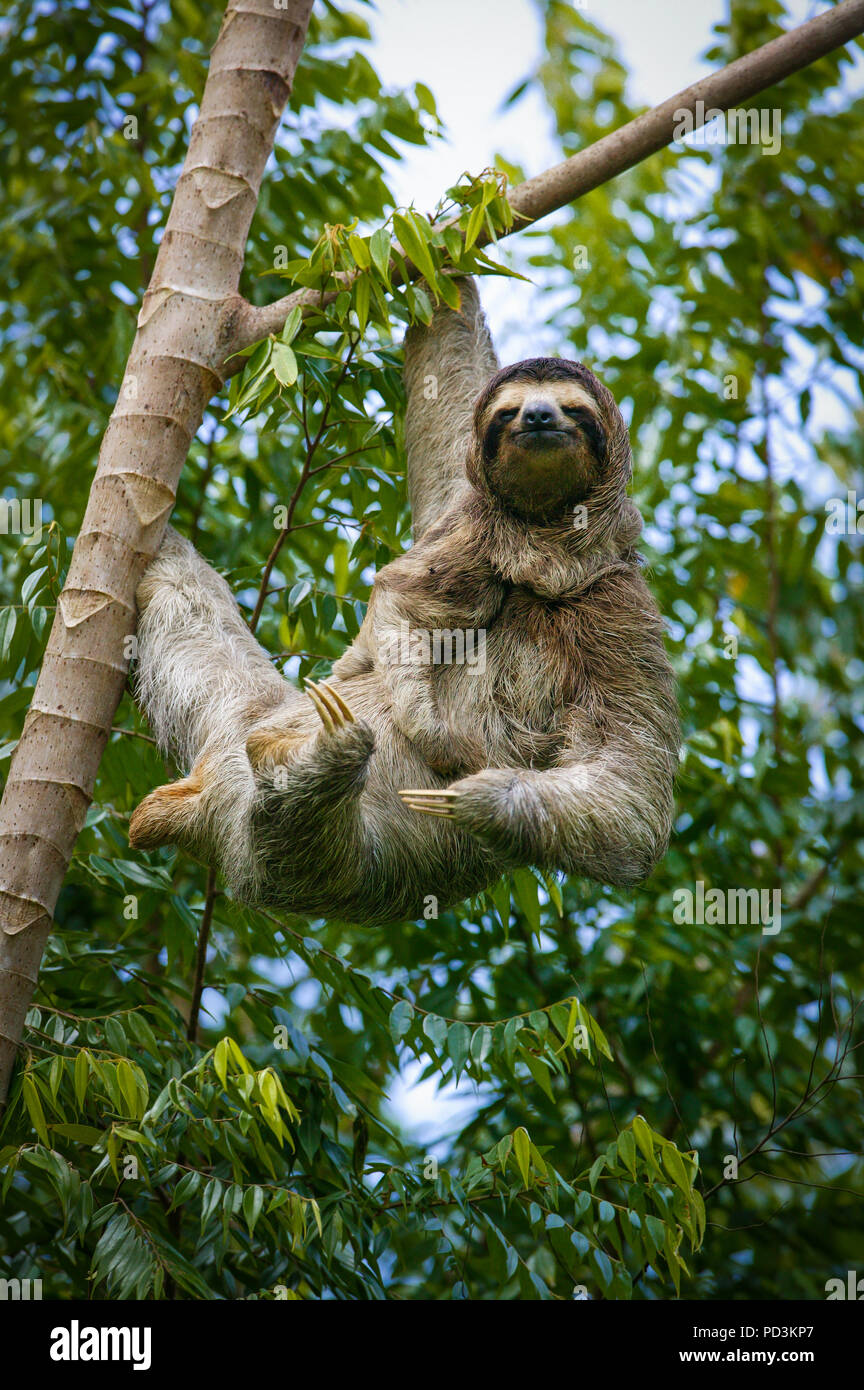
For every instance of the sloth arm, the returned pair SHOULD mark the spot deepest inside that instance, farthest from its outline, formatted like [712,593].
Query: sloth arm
[604,809]
[447,364]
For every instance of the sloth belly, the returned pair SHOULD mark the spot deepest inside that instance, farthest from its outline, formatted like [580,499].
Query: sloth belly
[518,700]
[364,856]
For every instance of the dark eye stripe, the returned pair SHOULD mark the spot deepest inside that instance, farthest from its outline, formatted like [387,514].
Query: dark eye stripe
[591,427]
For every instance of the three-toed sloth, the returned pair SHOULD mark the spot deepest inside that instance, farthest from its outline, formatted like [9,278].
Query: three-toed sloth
[507,701]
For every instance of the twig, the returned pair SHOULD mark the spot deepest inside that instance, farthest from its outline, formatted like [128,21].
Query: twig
[201,956]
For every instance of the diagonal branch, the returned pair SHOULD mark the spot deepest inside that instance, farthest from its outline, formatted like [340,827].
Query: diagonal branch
[615,153]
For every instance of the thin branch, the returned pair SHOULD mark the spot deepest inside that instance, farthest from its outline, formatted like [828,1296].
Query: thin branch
[306,473]
[201,957]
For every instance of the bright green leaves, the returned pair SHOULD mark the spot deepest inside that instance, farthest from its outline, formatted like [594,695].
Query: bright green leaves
[485,208]
[259,1094]
[604,1227]
[544,1045]
[415,236]
[357,289]
[663,1204]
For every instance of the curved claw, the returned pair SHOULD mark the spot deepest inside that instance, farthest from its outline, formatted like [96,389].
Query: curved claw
[332,710]
[431,801]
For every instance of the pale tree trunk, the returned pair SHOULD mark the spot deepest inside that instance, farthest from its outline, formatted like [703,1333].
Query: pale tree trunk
[186,329]
[193,318]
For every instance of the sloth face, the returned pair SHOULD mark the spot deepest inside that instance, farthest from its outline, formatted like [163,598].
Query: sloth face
[543,444]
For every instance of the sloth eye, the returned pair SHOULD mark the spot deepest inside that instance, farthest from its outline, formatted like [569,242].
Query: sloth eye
[579,413]
[505,415]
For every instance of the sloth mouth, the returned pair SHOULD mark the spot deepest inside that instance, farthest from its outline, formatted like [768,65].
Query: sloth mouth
[541,433]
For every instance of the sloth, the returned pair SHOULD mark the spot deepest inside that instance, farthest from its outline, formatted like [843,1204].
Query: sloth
[410,780]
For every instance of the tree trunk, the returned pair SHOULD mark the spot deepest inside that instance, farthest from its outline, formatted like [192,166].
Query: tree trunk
[186,328]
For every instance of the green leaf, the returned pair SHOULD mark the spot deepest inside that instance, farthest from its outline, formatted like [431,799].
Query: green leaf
[401,1018]
[436,1030]
[627,1150]
[7,632]
[522,1150]
[413,233]
[379,247]
[82,1075]
[291,327]
[360,251]
[458,1042]
[253,1203]
[284,364]
[128,1086]
[643,1137]
[82,1134]
[34,1109]
[481,1044]
[474,225]
[674,1166]
[603,1265]
[220,1060]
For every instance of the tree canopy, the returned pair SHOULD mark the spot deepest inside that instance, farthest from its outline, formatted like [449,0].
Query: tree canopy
[657,1105]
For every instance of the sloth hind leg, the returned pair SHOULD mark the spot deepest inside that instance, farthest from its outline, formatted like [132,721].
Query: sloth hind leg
[164,816]
[179,812]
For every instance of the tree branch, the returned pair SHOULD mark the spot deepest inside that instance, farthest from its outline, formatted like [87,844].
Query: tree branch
[629,145]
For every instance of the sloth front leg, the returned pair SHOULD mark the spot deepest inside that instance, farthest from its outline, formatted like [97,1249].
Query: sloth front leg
[587,818]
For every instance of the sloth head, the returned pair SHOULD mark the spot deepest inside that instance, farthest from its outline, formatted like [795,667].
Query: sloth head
[547,435]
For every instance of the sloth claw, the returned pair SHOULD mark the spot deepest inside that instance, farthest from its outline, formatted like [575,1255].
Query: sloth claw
[334,712]
[431,801]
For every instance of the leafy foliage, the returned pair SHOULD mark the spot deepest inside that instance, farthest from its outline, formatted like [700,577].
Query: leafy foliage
[616,1056]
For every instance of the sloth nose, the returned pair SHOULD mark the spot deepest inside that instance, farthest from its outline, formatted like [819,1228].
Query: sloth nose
[538,416]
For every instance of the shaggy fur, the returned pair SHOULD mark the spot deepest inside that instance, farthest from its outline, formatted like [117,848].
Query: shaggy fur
[402,780]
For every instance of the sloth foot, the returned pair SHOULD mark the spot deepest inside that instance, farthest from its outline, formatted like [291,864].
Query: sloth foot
[334,712]
[161,817]
[271,745]
[431,801]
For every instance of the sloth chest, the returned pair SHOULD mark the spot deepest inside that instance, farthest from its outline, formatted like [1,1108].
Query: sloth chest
[524,683]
